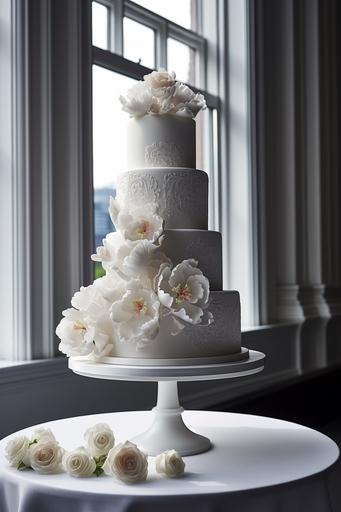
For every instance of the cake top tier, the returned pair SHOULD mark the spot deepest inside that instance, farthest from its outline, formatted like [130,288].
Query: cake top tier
[161,131]
[160,94]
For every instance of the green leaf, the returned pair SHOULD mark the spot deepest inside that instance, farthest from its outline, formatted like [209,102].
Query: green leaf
[98,471]
[34,441]
[99,463]
[21,466]
[100,460]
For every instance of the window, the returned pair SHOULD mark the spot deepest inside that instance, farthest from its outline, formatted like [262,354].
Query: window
[165,40]
[54,163]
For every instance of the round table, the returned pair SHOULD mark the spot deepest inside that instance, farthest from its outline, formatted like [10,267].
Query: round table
[255,464]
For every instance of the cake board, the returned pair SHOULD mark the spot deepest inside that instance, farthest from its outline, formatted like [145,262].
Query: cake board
[168,431]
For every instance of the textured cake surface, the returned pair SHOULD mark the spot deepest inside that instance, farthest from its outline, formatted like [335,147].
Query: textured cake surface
[202,245]
[220,338]
[181,195]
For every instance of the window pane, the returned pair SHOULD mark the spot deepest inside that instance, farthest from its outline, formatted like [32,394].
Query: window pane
[100,25]
[207,159]
[181,59]
[180,11]
[139,43]
[109,143]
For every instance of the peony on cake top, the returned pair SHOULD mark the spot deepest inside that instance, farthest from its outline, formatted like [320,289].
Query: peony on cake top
[160,94]
[161,129]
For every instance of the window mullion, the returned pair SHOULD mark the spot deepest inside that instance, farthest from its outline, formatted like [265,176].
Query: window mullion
[116,27]
[118,64]
[161,46]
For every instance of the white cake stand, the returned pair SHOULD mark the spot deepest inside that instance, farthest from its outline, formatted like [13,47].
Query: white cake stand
[168,431]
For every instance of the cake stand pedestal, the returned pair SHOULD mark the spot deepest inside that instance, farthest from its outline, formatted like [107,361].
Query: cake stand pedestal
[168,429]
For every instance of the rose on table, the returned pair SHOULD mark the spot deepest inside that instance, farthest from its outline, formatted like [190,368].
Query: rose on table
[125,461]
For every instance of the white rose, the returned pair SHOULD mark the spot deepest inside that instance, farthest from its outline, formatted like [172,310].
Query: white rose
[170,463]
[17,452]
[99,439]
[136,315]
[127,463]
[79,463]
[46,457]
[42,434]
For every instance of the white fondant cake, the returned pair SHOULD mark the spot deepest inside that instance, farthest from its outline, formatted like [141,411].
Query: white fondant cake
[196,341]
[180,194]
[181,244]
[161,299]
[161,141]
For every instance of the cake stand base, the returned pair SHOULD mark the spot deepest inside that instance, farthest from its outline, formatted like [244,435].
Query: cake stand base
[168,429]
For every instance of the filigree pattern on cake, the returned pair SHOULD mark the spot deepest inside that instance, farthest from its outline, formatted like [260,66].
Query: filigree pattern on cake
[181,196]
[163,154]
[138,188]
[185,193]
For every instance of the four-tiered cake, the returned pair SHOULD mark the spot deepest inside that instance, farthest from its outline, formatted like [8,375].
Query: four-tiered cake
[161,300]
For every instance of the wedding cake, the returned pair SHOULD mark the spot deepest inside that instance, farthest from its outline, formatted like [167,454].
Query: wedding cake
[161,299]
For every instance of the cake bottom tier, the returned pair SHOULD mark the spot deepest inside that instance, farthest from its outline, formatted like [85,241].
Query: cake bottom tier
[220,341]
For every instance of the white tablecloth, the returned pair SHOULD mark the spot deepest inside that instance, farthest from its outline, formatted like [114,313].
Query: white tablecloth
[256,464]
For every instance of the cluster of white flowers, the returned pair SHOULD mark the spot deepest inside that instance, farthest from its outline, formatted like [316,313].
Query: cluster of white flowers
[124,461]
[42,452]
[141,288]
[159,93]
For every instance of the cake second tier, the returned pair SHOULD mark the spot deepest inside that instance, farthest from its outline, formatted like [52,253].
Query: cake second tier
[180,194]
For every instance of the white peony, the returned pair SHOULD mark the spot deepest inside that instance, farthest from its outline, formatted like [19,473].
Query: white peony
[141,223]
[193,107]
[184,291]
[136,315]
[111,286]
[79,463]
[82,335]
[144,261]
[127,463]
[46,457]
[170,463]
[138,100]
[113,252]
[17,452]
[90,299]
[76,333]
[160,94]
[99,439]
[161,83]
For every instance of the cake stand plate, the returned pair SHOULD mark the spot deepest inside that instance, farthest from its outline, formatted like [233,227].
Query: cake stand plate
[168,431]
